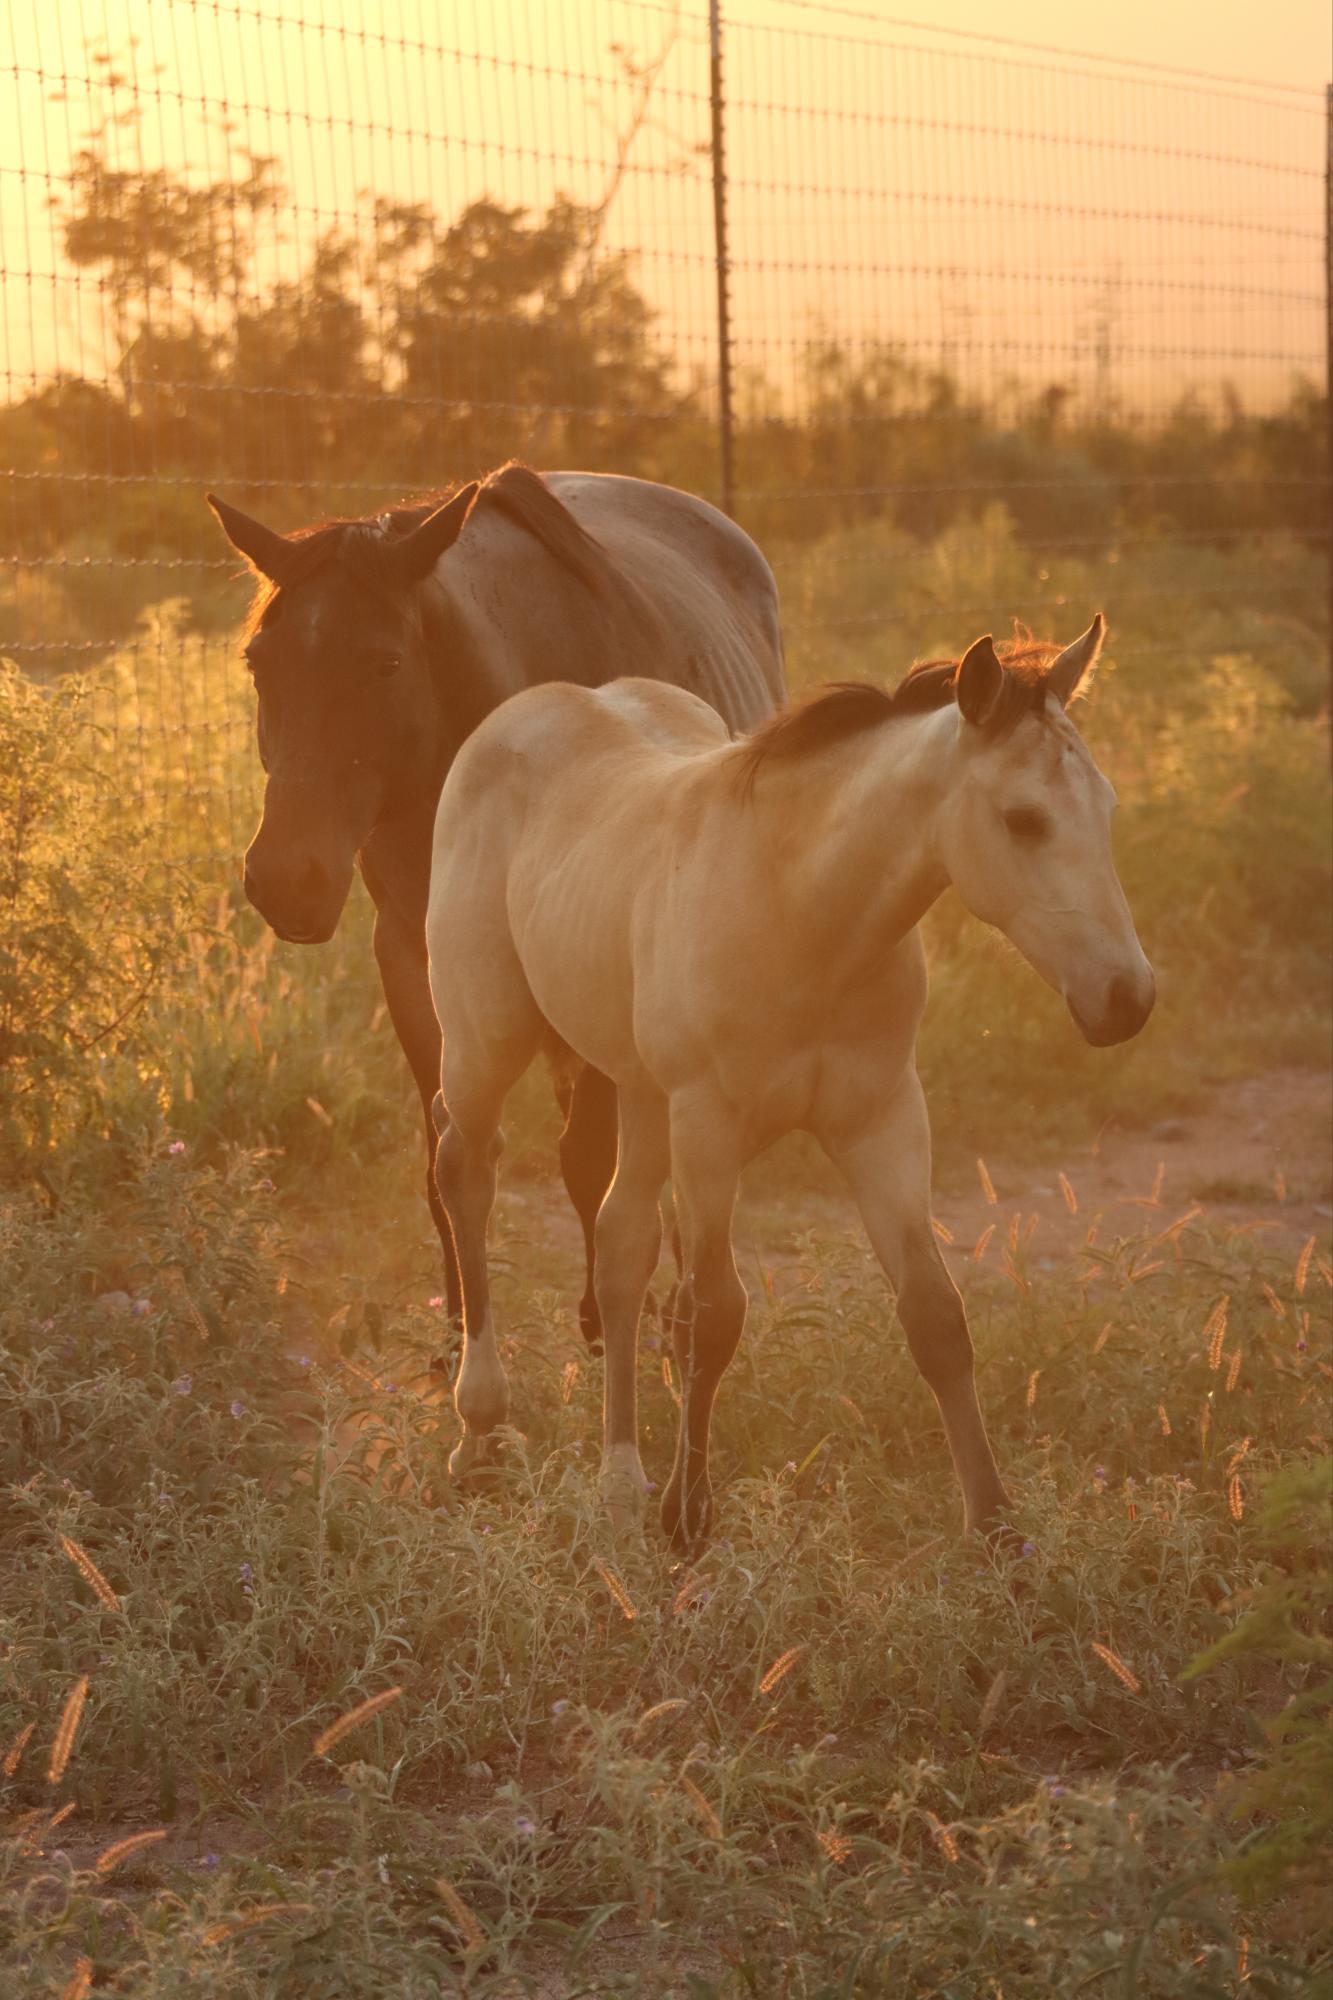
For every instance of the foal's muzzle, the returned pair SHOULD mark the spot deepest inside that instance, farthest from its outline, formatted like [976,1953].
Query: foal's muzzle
[1128,1004]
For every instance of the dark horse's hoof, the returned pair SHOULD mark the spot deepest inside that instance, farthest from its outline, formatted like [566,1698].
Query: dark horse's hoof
[590,1323]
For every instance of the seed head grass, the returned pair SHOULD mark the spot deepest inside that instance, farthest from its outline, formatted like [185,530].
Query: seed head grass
[353,1719]
[91,1574]
[62,1746]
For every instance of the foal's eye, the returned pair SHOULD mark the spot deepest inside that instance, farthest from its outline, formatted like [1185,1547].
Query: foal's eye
[387,665]
[1026,823]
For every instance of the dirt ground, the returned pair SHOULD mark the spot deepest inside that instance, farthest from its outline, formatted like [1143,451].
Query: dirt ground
[1259,1157]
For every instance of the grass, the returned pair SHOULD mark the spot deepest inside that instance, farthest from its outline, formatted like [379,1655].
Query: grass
[845,1751]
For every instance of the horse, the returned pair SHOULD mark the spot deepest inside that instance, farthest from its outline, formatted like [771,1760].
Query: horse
[729,931]
[377,644]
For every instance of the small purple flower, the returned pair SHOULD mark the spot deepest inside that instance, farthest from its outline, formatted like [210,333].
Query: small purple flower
[303,1360]
[238,1408]
[1302,1346]
[265,1186]
[525,1825]
[559,1707]
[207,1861]
[46,1326]
[176,1146]
[182,1385]
[1054,1789]
[1099,1472]
[141,1308]
[391,1388]
[247,1573]
[1029,1548]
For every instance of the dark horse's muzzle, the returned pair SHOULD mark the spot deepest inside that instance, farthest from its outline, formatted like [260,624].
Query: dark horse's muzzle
[297,881]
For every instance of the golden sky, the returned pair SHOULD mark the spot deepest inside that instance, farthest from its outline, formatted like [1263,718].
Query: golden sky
[1007,211]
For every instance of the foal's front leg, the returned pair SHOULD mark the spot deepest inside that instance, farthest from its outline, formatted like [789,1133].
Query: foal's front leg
[887,1165]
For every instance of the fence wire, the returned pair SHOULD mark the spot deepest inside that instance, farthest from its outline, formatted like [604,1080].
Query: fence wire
[1013,328]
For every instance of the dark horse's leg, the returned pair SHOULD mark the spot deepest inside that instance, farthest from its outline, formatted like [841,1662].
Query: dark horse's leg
[587,1144]
[402,963]
[588,1162]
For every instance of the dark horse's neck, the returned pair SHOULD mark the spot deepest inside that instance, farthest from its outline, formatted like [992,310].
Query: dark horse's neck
[395,861]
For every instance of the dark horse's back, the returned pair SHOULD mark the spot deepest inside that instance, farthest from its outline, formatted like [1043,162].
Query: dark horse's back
[639,579]
[723,601]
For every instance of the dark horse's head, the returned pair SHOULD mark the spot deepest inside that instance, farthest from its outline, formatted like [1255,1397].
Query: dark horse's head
[348,719]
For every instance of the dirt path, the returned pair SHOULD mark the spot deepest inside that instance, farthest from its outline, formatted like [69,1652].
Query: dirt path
[1257,1157]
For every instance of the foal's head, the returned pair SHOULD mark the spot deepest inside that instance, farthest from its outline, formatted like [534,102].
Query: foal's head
[347,715]
[1026,833]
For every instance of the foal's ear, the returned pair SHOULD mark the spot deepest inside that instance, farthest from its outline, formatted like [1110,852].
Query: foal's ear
[1071,674]
[263,548]
[417,554]
[978,680]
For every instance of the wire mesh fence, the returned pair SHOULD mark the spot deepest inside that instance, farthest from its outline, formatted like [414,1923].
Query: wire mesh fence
[1012,329]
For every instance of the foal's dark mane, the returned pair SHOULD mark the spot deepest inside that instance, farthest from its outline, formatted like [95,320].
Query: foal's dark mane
[363,543]
[849,708]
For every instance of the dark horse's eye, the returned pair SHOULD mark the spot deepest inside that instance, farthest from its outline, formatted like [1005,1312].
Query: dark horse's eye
[387,665]
[1026,823]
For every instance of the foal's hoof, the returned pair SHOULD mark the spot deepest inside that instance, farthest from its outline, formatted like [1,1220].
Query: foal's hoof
[993,1520]
[471,1457]
[623,1488]
[687,1526]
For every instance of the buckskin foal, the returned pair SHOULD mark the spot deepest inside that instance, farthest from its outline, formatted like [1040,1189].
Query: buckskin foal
[376,645]
[729,932]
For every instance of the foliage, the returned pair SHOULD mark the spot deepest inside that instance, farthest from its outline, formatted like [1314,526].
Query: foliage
[87,924]
[1287,1618]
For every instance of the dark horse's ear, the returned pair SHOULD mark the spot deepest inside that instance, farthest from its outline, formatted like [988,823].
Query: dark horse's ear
[1071,674]
[416,555]
[263,548]
[979,680]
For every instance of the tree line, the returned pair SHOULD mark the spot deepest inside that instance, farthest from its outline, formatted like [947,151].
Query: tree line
[411,350]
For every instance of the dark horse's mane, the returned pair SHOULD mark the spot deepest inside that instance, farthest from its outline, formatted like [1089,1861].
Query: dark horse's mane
[848,708]
[364,543]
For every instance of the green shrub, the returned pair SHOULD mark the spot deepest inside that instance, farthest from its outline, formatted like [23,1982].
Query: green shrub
[1288,1619]
[87,924]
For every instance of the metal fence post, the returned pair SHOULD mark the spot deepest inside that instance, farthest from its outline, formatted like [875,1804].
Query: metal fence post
[1328,349]
[725,417]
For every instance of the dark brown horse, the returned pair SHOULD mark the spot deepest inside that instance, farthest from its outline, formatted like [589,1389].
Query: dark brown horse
[377,646]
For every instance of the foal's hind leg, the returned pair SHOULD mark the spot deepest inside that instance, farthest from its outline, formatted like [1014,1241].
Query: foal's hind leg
[887,1165]
[476,1077]
[629,1241]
